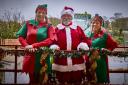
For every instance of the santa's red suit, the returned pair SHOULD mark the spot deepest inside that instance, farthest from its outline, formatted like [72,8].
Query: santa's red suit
[69,69]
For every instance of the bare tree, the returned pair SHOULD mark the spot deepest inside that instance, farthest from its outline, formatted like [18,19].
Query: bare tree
[10,23]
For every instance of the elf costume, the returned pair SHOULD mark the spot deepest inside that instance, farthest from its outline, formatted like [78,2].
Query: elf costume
[102,40]
[38,35]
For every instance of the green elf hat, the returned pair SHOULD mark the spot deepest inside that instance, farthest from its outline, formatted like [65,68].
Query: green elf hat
[44,7]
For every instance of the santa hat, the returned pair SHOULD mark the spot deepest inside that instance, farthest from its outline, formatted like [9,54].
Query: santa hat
[67,10]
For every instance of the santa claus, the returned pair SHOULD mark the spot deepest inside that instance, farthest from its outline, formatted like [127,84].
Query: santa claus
[69,37]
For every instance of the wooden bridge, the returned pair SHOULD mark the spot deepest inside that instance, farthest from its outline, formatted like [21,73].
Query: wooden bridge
[15,49]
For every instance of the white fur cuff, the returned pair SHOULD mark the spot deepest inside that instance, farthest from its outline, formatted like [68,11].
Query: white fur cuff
[54,47]
[28,46]
[83,46]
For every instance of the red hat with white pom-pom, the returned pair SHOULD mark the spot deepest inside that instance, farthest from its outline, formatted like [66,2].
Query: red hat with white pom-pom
[67,10]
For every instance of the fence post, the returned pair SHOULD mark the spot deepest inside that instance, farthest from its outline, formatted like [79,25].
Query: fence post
[15,74]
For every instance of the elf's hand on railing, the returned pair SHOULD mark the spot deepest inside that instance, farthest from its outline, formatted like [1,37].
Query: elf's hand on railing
[30,48]
[105,51]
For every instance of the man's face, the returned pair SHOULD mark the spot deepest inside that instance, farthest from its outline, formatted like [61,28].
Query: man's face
[40,14]
[66,19]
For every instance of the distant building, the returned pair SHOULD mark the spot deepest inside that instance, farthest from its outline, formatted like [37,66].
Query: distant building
[83,16]
[82,19]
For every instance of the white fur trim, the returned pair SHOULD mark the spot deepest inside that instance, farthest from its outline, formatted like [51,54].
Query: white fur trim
[62,68]
[83,46]
[69,62]
[54,47]
[69,67]
[60,26]
[68,37]
[28,46]
[73,26]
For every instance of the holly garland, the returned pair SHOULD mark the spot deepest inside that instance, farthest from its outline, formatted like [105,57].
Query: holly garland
[63,53]
[77,54]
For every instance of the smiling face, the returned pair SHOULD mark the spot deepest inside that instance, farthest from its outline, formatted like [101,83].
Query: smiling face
[41,14]
[66,19]
[96,26]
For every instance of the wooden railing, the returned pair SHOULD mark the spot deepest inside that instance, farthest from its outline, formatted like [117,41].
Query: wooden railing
[15,70]
[15,50]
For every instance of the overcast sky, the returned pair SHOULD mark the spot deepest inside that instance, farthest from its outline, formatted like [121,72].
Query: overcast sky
[102,7]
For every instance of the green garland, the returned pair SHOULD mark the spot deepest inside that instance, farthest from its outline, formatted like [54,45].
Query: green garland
[77,54]
[73,53]
[62,53]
